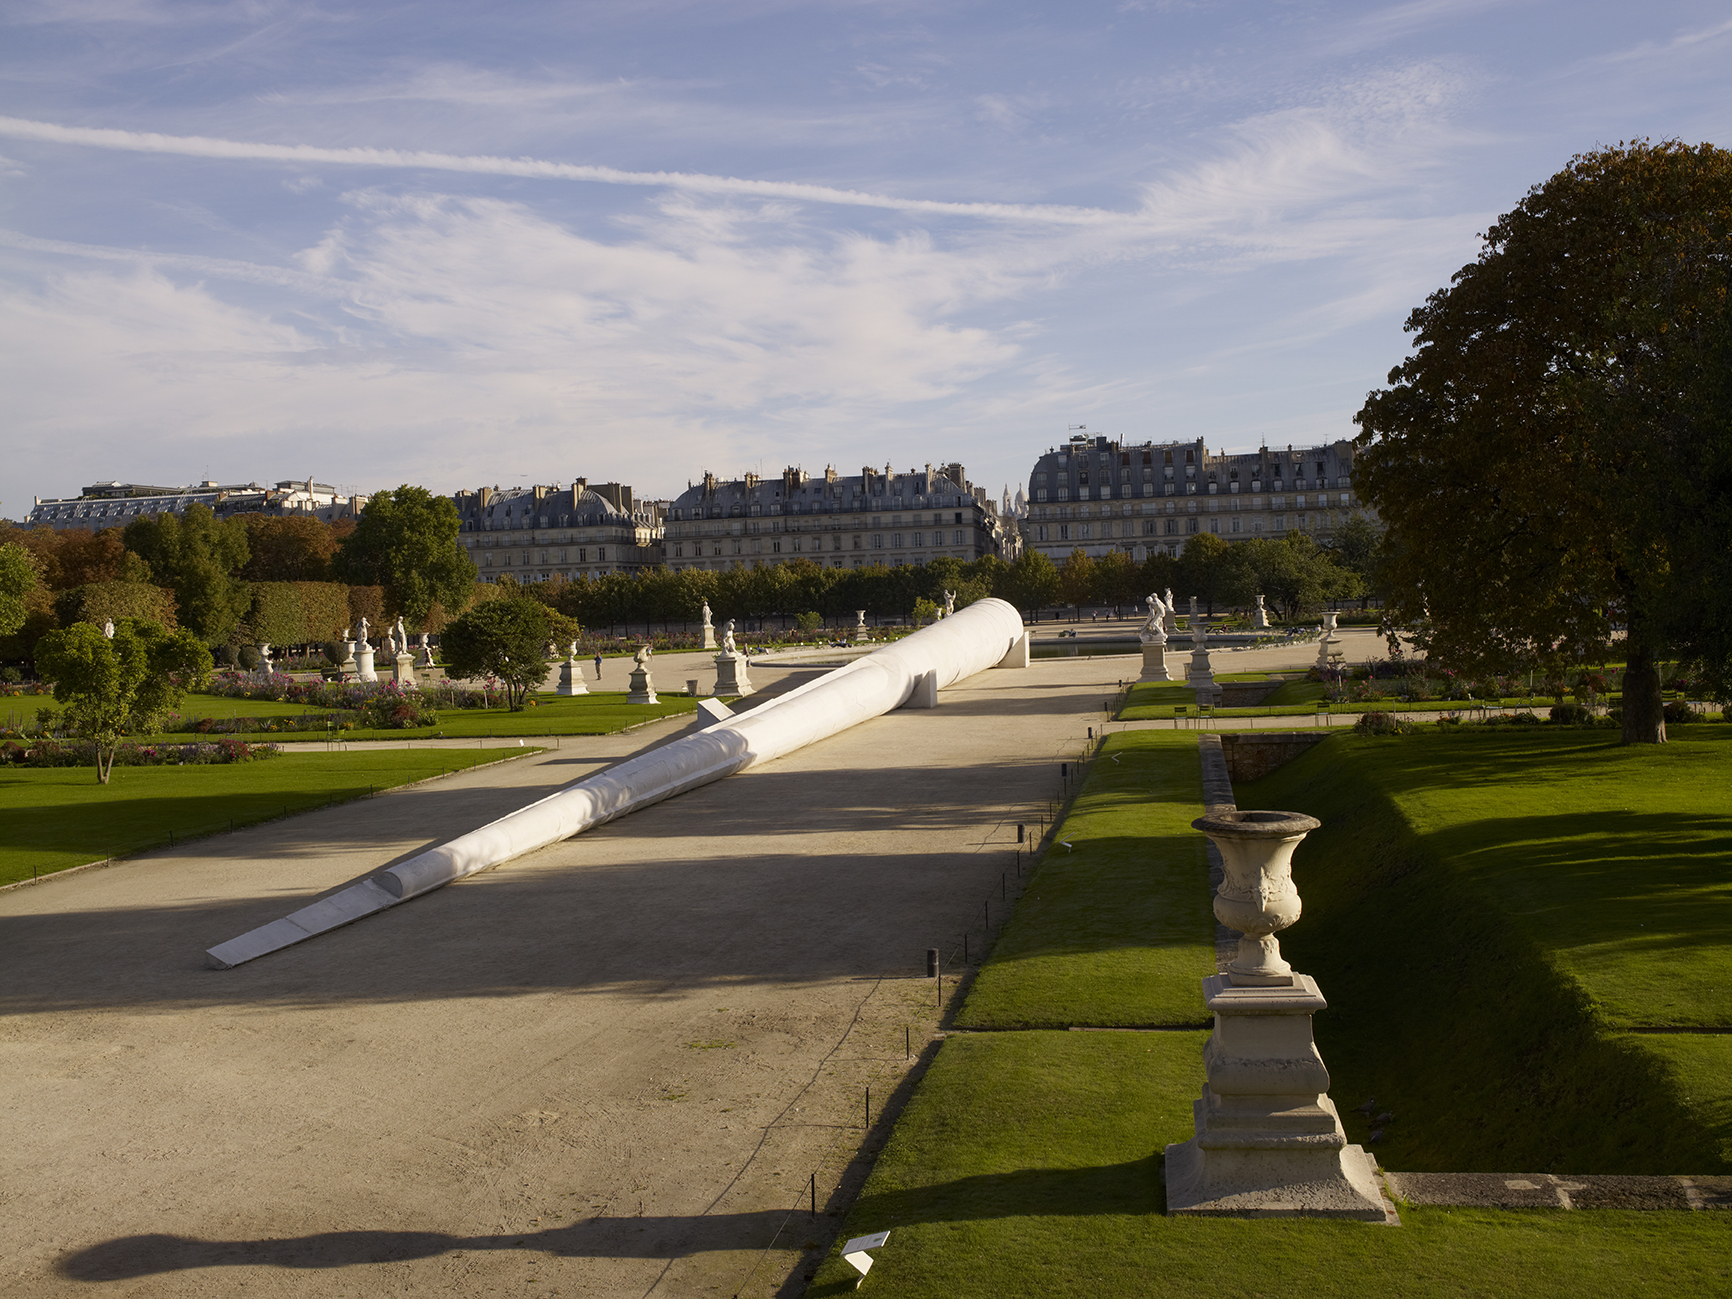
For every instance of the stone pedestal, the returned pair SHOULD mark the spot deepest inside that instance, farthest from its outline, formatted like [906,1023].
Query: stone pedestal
[709,636]
[860,626]
[642,689]
[364,663]
[571,679]
[1269,1141]
[1199,672]
[1329,644]
[1155,659]
[731,675]
[1260,617]
[403,668]
[694,688]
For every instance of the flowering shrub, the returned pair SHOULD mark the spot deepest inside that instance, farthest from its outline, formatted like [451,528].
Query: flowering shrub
[394,708]
[79,753]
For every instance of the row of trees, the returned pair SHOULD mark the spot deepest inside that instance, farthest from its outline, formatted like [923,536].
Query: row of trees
[248,578]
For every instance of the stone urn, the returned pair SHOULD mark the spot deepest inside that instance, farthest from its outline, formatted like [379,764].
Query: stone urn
[1257,896]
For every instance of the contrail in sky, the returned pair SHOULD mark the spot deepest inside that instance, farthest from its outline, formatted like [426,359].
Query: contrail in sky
[201,146]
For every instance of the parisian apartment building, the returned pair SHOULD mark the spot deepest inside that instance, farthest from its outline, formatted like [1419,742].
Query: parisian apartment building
[1100,495]
[116,504]
[837,520]
[538,534]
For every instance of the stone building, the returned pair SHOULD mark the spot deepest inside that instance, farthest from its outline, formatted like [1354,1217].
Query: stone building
[114,504]
[1100,495]
[536,534]
[840,521]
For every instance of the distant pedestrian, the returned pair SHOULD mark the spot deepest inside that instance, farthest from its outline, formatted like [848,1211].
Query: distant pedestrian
[598,665]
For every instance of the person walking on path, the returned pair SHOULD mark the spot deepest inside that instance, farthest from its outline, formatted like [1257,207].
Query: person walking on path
[598,665]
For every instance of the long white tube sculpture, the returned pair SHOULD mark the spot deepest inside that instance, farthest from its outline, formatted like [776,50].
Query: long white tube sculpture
[986,634]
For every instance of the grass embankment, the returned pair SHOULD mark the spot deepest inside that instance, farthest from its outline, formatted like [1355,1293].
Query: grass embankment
[1029,1163]
[1150,701]
[592,714]
[59,817]
[1489,913]
[1116,929]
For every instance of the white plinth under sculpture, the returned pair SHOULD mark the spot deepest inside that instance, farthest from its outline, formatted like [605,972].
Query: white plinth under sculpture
[731,675]
[1260,616]
[364,662]
[983,635]
[859,626]
[571,674]
[1269,1141]
[403,668]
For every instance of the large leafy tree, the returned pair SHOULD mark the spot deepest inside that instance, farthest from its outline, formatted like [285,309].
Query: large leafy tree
[20,571]
[112,687]
[1033,582]
[288,548]
[197,557]
[1203,570]
[506,639]
[1554,461]
[406,542]
[1076,578]
[1294,575]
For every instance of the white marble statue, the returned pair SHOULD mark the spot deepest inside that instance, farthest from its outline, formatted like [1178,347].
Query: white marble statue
[642,657]
[108,628]
[949,603]
[363,631]
[1156,626]
[728,638]
[707,613]
[402,636]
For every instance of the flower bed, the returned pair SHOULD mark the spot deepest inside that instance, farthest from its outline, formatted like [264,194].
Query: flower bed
[81,753]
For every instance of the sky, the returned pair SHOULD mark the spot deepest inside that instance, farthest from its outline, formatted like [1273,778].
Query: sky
[461,245]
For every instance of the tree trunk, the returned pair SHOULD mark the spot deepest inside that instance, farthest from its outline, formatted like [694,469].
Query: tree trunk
[1644,716]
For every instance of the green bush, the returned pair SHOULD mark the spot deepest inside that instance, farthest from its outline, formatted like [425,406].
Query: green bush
[1678,712]
[248,657]
[1569,714]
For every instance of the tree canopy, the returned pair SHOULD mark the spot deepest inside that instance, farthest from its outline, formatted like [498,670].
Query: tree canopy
[406,542]
[111,687]
[506,639]
[19,571]
[1554,460]
[196,556]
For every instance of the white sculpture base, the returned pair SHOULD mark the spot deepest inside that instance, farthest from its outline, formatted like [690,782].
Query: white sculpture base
[709,636]
[571,679]
[364,664]
[642,689]
[1017,655]
[1155,662]
[1259,620]
[1328,651]
[925,692]
[1269,1141]
[731,675]
[403,670]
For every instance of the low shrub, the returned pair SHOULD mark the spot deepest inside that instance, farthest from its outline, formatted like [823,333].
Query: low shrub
[1569,714]
[1383,724]
[394,708]
[1679,712]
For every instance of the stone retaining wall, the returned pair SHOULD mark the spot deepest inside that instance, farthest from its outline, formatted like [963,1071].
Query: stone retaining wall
[1251,755]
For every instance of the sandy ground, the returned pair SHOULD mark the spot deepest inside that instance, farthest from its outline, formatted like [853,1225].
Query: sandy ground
[609,1068]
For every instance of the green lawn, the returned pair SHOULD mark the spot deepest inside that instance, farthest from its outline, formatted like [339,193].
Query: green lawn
[59,817]
[1115,929]
[1545,891]
[1486,912]
[1027,1164]
[1155,700]
[591,714]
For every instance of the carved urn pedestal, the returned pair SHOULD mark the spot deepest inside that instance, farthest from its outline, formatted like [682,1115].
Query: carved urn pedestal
[1269,1140]
[641,690]
[364,662]
[571,678]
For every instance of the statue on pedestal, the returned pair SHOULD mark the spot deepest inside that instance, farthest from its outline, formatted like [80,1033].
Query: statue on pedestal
[1154,638]
[949,603]
[1260,619]
[728,638]
[571,675]
[709,630]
